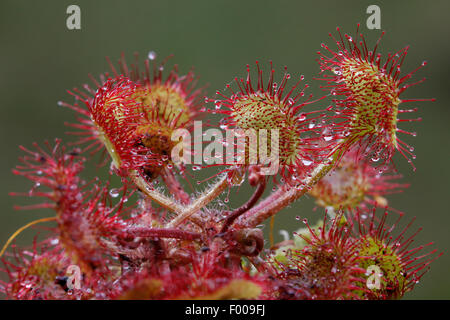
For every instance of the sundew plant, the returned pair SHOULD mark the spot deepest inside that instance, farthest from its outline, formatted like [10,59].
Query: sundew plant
[161,234]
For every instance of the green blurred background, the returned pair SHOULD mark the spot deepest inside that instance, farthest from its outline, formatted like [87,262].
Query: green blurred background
[40,59]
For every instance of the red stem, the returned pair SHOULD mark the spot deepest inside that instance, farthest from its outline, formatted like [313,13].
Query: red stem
[244,208]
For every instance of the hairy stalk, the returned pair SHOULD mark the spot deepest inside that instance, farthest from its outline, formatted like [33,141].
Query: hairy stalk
[156,196]
[169,204]
[207,196]
[174,187]
[284,197]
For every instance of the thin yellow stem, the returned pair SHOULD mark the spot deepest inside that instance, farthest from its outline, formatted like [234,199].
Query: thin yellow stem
[15,234]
